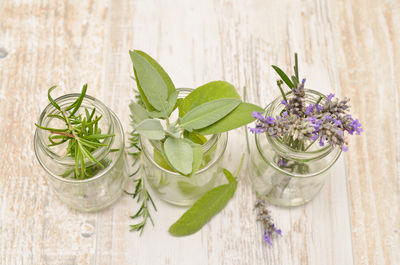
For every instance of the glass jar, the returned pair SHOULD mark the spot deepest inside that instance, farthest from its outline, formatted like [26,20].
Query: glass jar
[107,183]
[179,189]
[283,175]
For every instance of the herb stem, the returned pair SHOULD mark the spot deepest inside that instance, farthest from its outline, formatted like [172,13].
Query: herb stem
[318,101]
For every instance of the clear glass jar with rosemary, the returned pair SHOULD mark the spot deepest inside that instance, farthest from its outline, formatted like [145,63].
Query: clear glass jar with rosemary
[80,144]
[298,137]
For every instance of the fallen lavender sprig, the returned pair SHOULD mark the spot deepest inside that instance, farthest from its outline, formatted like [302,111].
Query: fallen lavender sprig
[264,216]
[300,125]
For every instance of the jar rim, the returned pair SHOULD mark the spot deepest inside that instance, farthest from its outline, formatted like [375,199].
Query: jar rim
[285,151]
[112,117]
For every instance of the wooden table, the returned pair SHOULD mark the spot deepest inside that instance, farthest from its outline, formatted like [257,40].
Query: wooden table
[349,47]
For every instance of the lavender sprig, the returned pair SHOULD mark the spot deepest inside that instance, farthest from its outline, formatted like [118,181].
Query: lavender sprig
[299,124]
[264,216]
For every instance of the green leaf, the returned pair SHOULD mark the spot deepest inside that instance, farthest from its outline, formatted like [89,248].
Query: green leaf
[160,160]
[172,98]
[138,113]
[179,154]
[51,99]
[205,93]
[77,104]
[197,156]
[195,138]
[160,70]
[284,77]
[238,117]
[142,95]
[151,82]
[151,129]
[205,208]
[208,113]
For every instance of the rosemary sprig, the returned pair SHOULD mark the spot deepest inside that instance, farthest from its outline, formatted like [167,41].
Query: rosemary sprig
[140,193]
[82,135]
[143,196]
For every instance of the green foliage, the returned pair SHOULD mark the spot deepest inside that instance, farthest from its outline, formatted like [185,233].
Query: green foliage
[206,93]
[208,113]
[211,203]
[151,129]
[81,135]
[215,107]
[179,154]
[237,118]
[284,77]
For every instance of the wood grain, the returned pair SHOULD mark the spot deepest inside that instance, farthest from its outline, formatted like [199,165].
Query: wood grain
[349,47]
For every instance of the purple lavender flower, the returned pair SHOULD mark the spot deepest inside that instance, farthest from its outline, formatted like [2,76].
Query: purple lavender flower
[337,122]
[330,96]
[319,108]
[356,126]
[285,114]
[309,109]
[345,148]
[282,162]
[270,120]
[257,130]
[284,102]
[258,115]
[267,238]
[321,141]
[314,136]
[264,216]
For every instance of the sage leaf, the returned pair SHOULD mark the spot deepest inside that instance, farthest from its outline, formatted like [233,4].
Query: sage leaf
[146,102]
[160,160]
[197,156]
[172,98]
[138,113]
[205,93]
[151,129]
[240,116]
[179,154]
[211,203]
[284,77]
[208,113]
[194,137]
[151,82]
[167,80]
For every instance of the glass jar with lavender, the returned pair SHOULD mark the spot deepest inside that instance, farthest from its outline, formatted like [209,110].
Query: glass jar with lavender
[94,180]
[297,140]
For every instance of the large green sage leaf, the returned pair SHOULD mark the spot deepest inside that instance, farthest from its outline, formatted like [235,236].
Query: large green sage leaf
[167,80]
[138,113]
[179,154]
[150,82]
[208,113]
[205,208]
[205,93]
[151,129]
[238,117]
